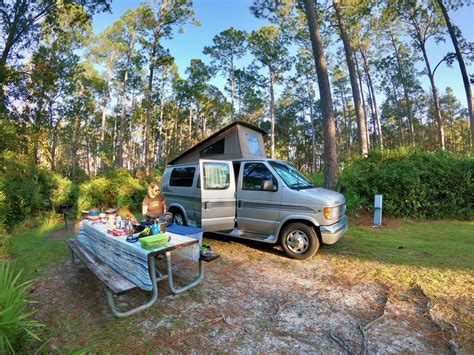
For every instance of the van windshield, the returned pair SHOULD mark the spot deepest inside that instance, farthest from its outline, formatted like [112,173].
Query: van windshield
[292,178]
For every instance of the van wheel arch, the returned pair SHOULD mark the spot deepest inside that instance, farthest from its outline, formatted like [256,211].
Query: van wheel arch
[176,211]
[304,221]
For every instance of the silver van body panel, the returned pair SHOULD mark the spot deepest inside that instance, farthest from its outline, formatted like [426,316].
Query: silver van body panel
[331,234]
[260,215]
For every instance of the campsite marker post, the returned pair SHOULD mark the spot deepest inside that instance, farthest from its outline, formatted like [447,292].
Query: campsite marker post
[378,210]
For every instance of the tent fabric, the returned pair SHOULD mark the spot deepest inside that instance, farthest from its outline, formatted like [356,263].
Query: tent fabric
[241,140]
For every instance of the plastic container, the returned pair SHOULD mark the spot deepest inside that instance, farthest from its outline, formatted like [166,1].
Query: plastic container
[154,241]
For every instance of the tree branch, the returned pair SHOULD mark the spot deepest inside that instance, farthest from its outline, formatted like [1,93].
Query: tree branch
[446,57]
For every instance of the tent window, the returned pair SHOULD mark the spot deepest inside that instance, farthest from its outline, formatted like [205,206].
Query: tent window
[213,149]
[253,144]
[182,177]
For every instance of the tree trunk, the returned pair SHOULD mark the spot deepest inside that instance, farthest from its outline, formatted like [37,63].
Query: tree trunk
[54,145]
[119,150]
[114,135]
[190,129]
[105,99]
[330,139]
[148,108]
[400,118]
[272,114]
[361,126]
[462,67]
[362,98]
[411,131]
[232,81]
[8,45]
[103,126]
[75,143]
[346,123]
[313,133]
[371,107]
[122,116]
[372,92]
[434,92]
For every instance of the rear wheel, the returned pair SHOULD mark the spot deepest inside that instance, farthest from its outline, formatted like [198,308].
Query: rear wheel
[299,241]
[178,218]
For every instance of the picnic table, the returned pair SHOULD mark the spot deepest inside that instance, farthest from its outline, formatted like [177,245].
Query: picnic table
[124,266]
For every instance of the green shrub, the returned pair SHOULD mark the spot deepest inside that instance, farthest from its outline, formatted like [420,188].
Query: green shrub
[15,324]
[26,189]
[316,178]
[64,191]
[413,184]
[115,188]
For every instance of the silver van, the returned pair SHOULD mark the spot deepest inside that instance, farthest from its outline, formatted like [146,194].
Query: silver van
[260,199]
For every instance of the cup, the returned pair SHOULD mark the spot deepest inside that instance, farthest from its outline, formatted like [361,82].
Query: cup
[162,227]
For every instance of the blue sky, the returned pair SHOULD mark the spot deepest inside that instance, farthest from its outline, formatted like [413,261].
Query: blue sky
[218,15]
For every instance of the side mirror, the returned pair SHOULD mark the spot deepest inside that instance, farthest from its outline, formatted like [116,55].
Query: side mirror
[268,186]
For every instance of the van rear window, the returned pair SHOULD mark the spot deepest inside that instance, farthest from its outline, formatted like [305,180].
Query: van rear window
[182,177]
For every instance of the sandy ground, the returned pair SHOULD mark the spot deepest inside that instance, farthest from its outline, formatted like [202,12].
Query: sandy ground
[253,299]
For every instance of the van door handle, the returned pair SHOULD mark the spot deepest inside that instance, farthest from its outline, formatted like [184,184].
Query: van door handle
[239,204]
[205,205]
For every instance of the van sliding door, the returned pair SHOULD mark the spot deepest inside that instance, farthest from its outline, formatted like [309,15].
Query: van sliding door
[217,195]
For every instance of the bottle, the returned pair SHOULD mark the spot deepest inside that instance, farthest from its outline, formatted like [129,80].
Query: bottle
[154,228]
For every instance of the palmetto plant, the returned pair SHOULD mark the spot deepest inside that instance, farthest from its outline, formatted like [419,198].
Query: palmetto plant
[14,322]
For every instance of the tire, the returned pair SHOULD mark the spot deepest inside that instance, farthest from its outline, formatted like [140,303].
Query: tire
[299,241]
[178,218]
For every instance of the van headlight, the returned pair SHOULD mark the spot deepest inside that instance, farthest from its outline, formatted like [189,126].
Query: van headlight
[330,212]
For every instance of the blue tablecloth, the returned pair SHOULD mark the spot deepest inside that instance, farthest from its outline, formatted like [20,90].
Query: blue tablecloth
[128,259]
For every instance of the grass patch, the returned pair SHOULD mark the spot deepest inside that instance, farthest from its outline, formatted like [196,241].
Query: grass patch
[434,244]
[31,251]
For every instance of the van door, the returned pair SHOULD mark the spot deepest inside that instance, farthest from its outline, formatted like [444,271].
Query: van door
[217,195]
[258,209]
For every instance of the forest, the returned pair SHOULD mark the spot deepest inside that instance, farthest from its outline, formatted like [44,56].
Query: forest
[364,97]
[331,82]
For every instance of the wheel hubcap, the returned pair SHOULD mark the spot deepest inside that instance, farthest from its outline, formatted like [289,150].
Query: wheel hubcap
[178,219]
[297,241]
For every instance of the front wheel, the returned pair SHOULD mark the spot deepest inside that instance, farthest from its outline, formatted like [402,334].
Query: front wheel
[299,241]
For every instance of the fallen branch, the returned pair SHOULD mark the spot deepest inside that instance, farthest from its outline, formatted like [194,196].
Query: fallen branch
[341,342]
[370,324]
[227,319]
[364,339]
[430,305]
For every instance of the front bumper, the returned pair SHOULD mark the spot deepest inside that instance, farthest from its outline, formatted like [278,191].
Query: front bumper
[331,234]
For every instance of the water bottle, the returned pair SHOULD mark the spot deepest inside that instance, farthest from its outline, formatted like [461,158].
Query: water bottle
[154,228]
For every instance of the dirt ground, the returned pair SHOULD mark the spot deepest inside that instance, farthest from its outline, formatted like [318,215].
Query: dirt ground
[253,299]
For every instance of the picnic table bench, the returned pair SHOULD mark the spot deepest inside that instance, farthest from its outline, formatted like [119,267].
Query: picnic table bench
[93,247]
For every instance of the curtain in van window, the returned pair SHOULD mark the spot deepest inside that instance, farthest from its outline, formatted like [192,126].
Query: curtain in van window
[216,176]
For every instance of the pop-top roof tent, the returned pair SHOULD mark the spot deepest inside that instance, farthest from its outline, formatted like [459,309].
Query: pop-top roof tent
[237,140]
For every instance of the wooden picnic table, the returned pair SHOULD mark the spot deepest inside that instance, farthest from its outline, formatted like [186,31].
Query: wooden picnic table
[123,266]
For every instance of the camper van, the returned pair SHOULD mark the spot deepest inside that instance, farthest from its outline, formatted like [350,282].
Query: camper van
[226,184]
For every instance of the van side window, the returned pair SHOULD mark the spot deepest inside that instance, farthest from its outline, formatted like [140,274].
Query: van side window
[254,175]
[182,177]
[216,176]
